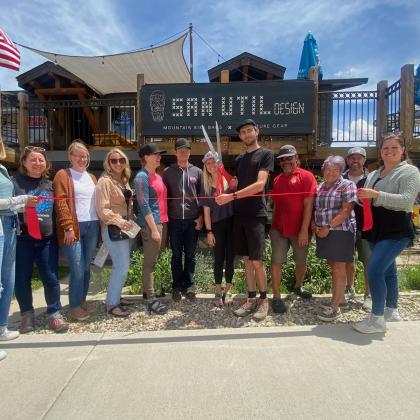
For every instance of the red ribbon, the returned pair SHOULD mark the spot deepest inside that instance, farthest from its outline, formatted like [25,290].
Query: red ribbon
[32,222]
[367,215]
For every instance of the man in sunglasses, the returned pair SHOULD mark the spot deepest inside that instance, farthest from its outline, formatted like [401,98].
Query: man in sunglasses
[293,196]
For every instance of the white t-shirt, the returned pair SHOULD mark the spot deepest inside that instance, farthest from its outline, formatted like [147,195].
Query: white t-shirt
[84,188]
[356,179]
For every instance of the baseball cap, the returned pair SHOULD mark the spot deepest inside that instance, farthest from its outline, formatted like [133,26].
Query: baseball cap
[357,150]
[287,150]
[150,149]
[245,122]
[182,143]
[209,155]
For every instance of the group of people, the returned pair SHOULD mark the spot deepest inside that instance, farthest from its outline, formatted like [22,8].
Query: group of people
[85,210]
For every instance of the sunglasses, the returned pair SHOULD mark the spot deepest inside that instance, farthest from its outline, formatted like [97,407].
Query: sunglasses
[121,161]
[286,159]
[41,149]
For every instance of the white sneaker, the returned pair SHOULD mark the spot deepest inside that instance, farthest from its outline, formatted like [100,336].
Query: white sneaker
[392,315]
[3,355]
[371,324]
[6,335]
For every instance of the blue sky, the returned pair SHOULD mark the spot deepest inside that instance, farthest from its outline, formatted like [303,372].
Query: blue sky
[372,39]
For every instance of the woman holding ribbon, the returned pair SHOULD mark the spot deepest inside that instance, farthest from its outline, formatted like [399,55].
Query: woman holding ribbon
[43,249]
[392,190]
[77,225]
[115,210]
[334,224]
[8,224]
[219,228]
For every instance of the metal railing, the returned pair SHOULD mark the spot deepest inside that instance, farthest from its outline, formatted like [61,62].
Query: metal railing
[393,95]
[347,117]
[9,120]
[97,122]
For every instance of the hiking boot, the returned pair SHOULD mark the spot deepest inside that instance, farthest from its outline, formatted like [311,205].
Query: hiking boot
[190,294]
[87,307]
[329,314]
[392,315]
[176,295]
[300,291]
[349,293]
[6,335]
[278,306]
[261,309]
[3,355]
[27,324]
[79,314]
[157,307]
[342,305]
[367,302]
[246,307]
[371,324]
[58,324]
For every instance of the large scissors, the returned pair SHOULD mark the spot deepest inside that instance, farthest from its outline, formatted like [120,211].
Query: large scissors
[218,158]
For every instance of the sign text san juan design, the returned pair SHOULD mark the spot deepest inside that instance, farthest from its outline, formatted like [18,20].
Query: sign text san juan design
[180,109]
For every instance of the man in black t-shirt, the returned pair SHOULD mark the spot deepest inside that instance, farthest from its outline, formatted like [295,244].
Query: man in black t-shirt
[253,170]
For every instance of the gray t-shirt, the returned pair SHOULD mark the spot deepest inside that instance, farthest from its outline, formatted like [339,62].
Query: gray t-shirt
[217,212]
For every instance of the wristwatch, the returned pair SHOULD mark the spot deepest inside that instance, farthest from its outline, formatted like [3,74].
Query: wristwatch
[68,230]
[328,226]
[234,196]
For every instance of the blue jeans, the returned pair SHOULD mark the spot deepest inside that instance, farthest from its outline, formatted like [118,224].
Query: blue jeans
[7,265]
[120,252]
[45,254]
[382,273]
[79,256]
[183,237]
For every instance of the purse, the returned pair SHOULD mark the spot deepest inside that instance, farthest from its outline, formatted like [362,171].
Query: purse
[114,232]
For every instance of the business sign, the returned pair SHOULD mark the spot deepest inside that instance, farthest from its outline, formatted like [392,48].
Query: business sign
[283,107]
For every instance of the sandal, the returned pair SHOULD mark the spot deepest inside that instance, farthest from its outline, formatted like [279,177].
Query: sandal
[227,298]
[218,300]
[157,307]
[122,315]
[127,302]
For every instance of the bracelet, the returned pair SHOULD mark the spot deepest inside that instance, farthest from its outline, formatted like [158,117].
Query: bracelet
[209,231]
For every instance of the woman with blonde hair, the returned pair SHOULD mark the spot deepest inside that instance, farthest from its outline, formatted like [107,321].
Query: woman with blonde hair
[8,224]
[115,210]
[219,229]
[77,225]
[33,179]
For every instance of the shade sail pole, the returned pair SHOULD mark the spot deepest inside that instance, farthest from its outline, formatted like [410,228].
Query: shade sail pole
[191,55]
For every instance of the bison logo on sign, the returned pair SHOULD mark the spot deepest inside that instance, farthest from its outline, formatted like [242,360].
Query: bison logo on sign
[157,105]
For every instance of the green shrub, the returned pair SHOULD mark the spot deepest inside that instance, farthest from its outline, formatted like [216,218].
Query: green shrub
[101,280]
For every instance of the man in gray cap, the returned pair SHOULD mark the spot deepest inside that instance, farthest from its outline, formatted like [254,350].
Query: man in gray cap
[293,196]
[356,158]
[183,182]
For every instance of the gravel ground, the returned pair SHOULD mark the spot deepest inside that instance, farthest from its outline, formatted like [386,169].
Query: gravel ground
[201,314]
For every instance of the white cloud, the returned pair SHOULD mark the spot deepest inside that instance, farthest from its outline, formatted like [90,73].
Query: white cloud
[357,131]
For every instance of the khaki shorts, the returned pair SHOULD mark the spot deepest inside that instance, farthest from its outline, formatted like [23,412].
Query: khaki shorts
[280,246]
[362,247]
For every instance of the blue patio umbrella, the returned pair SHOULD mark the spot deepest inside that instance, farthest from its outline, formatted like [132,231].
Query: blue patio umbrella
[310,57]
[417,88]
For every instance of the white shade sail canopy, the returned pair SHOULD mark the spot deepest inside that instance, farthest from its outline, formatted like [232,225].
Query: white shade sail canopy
[164,64]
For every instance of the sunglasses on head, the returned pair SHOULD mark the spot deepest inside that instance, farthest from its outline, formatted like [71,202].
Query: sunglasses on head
[121,161]
[395,133]
[286,159]
[41,149]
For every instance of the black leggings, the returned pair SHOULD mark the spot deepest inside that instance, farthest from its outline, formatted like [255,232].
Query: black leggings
[223,233]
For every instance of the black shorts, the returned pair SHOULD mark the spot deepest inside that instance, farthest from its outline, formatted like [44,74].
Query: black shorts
[249,237]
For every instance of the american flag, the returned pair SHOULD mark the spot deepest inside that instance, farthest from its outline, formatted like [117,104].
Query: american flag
[9,54]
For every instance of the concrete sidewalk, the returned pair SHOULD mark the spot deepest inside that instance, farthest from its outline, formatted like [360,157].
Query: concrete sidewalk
[321,372]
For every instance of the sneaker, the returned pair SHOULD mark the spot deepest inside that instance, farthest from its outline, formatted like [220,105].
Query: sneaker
[300,291]
[190,293]
[247,306]
[329,314]
[87,307]
[157,307]
[371,324]
[342,305]
[349,293]
[392,315]
[3,355]
[6,335]
[261,309]
[176,295]
[79,314]
[367,302]
[58,324]
[27,324]
[278,306]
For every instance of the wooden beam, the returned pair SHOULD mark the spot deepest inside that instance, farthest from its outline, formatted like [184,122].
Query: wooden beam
[407,104]
[313,139]
[23,119]
[269,76]
[61,91]
[224,76]
[38,85]
[89,114]
[245,70]
[381,112]
[59,81]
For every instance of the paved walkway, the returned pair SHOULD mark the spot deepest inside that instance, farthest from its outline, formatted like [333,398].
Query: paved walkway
[322,372]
